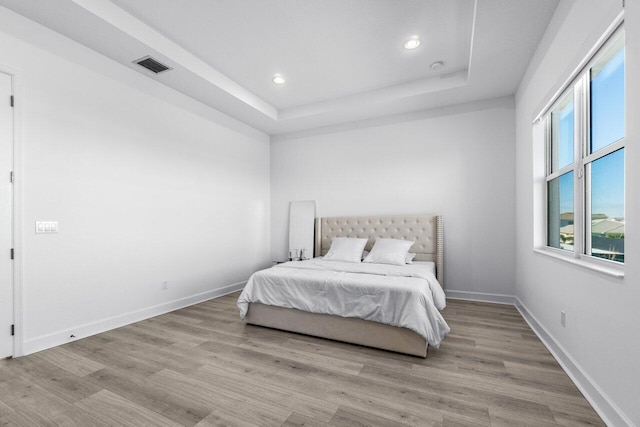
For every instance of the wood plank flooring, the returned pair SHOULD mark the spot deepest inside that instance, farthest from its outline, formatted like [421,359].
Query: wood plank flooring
[201,366]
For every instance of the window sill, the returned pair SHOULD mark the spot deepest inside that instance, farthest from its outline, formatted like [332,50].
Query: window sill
[609,271]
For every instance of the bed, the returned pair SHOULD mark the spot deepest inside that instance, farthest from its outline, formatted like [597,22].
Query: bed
[267,298]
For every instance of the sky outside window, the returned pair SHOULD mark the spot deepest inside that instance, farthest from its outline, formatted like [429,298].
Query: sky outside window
[562,134]
[607,98]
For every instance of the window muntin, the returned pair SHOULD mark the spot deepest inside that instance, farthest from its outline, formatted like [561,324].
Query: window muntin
[585,182]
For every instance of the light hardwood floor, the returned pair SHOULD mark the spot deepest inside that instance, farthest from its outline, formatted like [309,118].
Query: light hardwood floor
[202,366]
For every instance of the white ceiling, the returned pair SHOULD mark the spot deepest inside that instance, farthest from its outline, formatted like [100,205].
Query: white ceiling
[343,59]
[326,48]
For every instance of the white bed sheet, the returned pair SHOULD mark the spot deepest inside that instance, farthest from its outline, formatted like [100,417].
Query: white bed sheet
[428,265]
[407,296]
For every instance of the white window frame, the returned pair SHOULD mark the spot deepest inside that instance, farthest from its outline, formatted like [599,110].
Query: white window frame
[580,84]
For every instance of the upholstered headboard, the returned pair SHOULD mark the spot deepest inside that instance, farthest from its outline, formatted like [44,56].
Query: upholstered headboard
[425,230]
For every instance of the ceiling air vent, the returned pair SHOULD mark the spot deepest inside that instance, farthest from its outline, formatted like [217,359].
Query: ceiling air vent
[151,64]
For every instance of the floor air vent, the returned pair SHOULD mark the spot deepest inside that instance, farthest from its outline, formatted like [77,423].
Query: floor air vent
[151,64]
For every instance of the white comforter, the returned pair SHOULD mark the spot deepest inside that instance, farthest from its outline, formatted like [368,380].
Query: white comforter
[407,296]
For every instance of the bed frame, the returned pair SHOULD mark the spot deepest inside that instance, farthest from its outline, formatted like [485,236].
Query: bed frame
[425,230]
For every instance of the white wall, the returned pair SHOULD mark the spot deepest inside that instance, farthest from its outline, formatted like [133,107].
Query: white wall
[602,330]
[144,192]
[458,162]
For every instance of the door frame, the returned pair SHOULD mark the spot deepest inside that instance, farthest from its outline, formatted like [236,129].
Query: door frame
[17,91]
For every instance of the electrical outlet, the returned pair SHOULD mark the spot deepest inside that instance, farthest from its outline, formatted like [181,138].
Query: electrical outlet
[46,227]
[165,285]
[563,318]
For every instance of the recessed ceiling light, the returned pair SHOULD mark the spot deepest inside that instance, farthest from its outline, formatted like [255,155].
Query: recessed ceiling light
[412,43]
[278,79]
[436,66]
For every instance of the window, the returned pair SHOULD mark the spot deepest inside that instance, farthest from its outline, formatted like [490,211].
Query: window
[585,166]
[560,179]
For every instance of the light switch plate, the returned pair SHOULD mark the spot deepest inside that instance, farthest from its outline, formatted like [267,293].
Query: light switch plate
[46,227]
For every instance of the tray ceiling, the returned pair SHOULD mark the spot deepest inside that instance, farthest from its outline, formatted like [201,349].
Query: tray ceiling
[343,60]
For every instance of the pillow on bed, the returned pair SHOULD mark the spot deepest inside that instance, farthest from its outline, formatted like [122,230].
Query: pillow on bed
[347,249]
[389,251]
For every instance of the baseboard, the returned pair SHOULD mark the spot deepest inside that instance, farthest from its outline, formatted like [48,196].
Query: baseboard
[610,413]
[480,296]
[44,342]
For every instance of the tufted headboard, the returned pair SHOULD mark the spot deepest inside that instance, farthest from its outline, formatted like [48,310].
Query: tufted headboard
[425,230]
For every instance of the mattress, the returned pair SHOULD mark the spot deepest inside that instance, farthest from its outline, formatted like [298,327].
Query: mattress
[407,296]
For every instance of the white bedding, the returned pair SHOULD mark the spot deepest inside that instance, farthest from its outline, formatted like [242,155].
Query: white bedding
[407,296]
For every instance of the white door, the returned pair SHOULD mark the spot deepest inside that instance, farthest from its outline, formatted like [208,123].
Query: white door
[6,217]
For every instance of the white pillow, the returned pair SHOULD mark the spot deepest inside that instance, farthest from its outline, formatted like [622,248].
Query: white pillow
[346,249]
[389,251]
